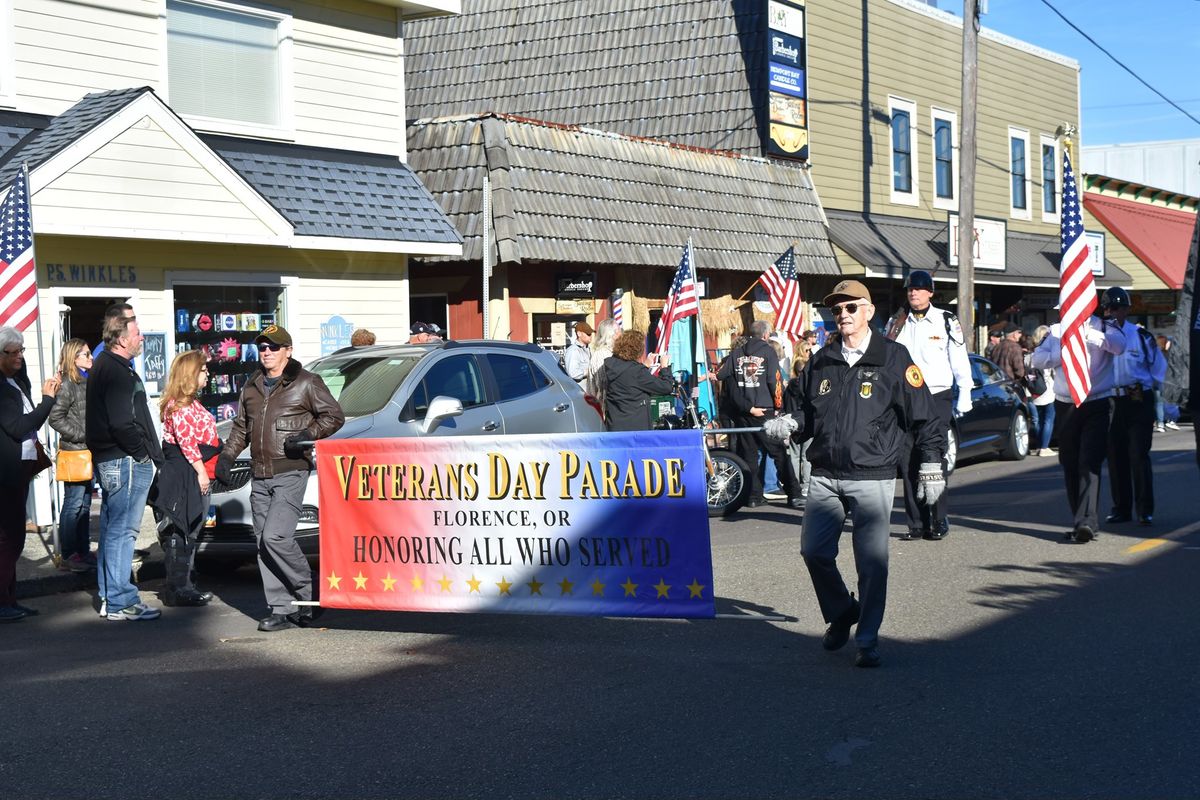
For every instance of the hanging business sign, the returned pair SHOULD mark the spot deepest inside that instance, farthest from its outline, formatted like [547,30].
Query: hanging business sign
[578,286]
[1095,242]
[787,80]
[991,243]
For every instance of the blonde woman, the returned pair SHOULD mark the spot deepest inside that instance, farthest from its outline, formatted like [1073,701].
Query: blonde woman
[68,417]
[602,348]
[180,492]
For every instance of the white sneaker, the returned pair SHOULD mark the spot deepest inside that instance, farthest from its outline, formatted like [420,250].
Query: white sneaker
[135,612]
[1173,426]
[1159,428]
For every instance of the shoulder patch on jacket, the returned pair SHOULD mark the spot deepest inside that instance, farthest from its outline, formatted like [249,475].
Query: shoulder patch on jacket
[914,377]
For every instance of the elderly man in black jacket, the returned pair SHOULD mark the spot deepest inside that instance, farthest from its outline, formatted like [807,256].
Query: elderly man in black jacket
[859,395]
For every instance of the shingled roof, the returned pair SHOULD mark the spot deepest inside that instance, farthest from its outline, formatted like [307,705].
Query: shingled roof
[570,194]
[680,72]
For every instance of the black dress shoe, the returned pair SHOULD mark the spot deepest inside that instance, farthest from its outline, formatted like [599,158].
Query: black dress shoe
[1115,518]
[306,617]
[868,657]
[186,597]
[796,503]
[939,531]
[838,632]
[759,503]
[913,534]
[275,622]
[1144,519]
[1084,534]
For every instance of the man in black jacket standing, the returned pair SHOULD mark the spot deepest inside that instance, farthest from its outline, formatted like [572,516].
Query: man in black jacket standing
[752,382]
[860,394]
[125,448]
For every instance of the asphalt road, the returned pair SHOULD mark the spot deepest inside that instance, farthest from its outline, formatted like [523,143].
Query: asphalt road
[1015,666]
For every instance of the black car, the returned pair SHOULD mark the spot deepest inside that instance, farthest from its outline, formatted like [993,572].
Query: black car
[998,422]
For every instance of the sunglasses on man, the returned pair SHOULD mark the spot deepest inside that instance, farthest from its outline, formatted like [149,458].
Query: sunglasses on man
[850,308]
[264,346]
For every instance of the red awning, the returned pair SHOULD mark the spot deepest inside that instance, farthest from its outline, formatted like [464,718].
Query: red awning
[1160,237]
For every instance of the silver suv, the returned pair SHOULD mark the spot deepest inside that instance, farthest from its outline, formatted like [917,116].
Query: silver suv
[468,388]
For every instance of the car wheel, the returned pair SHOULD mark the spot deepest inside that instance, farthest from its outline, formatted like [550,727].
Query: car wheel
[951,451]
[728,484]
[1017,446]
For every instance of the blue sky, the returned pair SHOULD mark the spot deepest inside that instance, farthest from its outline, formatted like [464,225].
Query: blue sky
[1158,39]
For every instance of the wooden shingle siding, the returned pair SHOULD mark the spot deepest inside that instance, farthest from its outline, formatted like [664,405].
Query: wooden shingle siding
[914,56]
[347,81]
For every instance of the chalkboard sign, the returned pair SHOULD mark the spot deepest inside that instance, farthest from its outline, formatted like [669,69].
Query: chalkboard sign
[154,361]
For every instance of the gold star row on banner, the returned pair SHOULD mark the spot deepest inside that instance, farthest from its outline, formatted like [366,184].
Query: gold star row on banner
[566,588]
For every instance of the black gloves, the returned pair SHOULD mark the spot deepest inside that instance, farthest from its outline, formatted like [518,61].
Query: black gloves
[224,469]
[291,446]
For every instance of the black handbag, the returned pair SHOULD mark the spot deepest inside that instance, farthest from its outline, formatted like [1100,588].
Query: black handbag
[1035,382]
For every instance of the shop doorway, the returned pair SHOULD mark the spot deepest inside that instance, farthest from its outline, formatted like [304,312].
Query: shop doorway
[83,317]
[430,308]
[550,331]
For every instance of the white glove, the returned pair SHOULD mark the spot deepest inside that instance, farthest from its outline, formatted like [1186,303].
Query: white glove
[1093,336]
[780,427]
[964,403]
[931,484]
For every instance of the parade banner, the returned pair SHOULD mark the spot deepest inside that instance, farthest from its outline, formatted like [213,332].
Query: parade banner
[610,524]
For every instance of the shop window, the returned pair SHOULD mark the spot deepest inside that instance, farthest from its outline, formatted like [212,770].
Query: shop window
[1049,180]
[229,65]
[904,157]
[552,331]
[222,322]
[1018,159]
[945,159]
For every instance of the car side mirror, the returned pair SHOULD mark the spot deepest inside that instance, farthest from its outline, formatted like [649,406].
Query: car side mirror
[440,408]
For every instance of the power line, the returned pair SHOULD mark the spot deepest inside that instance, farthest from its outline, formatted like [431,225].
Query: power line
[1120,63]
[1133,105]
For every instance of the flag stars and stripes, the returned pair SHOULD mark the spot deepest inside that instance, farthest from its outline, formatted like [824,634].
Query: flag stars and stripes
[18,273]
[682,300]
[1076,293]
[783,289]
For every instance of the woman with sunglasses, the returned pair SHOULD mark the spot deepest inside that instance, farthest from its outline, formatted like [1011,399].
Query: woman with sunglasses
[181,488]
[69,418]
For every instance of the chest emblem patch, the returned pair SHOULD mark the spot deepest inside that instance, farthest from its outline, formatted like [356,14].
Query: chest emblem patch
[914,377]
[825,387]
[864,389]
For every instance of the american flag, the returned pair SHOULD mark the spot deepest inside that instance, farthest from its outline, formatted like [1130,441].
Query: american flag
[618,309]
[1076,290]
[18,275]
[682,301]
[784,291]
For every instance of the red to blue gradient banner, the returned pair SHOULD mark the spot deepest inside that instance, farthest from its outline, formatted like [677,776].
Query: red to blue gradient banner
[610,524]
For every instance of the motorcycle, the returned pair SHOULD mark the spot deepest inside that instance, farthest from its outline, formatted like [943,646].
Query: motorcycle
[728,475]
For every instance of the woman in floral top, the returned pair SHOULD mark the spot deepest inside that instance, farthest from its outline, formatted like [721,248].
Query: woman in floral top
[181,489]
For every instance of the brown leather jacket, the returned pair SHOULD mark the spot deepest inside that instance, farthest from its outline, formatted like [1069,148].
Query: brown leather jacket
[299,404]
[1010,358]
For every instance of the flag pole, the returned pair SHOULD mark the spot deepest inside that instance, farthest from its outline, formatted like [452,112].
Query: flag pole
[37,321]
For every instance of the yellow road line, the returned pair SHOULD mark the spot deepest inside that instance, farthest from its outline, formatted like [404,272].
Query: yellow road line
[1148,544]
[1166,538]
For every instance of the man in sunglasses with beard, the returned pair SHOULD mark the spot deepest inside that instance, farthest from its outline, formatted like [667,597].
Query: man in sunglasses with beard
[860,393]
[280,407]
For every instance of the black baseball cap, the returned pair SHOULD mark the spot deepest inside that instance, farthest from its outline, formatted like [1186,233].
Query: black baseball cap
[422,327]
[275,334]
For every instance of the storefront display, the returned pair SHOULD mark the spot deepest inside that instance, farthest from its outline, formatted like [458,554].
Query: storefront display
[221,322]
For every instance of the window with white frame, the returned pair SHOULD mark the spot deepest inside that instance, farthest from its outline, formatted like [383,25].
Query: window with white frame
[1019,177]
[945,158]
[8,63]
[229,64]
[902,114]
[1049,179]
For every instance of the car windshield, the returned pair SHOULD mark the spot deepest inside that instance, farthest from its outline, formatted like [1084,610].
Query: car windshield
[363,384]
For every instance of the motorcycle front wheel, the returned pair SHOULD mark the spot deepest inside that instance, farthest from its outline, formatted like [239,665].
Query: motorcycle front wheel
[728,483]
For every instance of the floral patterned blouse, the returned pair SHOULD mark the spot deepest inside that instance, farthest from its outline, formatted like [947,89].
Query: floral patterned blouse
[188,427]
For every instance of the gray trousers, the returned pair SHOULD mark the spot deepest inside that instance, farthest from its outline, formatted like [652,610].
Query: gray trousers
[275,504]
[870,505]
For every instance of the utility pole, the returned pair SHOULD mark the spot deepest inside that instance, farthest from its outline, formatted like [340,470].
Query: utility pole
[966,169]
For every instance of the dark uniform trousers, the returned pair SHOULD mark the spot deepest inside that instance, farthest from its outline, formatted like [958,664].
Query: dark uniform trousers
[747,447]
[1082,446]
[1129,441]
[920,515]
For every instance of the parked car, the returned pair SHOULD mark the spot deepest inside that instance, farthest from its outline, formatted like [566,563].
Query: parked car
[998,422]
[468,388]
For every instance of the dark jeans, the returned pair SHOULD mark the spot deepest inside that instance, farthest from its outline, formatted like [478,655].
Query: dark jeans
[12,542]
[920,515]
[73,523]
[747,446]
[1130,474]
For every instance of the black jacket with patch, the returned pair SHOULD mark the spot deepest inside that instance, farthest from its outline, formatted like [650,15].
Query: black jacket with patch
[857,416]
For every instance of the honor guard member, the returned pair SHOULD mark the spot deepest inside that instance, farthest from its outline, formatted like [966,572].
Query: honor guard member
[1083,431]
[936,344]
[1138,370]
[859,395]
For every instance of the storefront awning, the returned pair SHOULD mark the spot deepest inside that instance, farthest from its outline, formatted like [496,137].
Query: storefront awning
[564,193]
[890,247]
[122,164]
[1160,237]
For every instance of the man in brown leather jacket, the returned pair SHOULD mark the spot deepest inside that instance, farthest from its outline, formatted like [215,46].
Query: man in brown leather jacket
[280,407]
